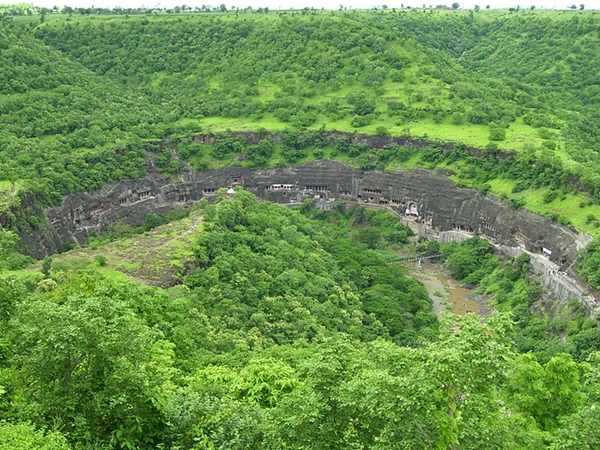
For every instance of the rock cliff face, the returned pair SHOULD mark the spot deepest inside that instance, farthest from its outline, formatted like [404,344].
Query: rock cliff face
[430,201]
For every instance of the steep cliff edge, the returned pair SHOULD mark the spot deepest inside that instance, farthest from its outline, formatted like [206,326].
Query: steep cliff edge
[429,200]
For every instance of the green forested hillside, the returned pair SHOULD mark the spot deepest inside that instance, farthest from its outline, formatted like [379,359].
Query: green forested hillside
[488,79]
[285,333]
[64,129]
[322,69]
[553,55]
[290,329]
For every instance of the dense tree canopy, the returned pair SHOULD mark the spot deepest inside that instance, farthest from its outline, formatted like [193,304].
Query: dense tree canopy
[103,91]
[287,331]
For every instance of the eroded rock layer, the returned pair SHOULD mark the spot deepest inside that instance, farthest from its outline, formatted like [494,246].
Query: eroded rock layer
[428,200]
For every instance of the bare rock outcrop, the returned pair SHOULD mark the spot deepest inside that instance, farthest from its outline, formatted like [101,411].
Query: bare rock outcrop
[430,200]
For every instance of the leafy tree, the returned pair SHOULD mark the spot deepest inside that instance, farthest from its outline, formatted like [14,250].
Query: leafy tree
[497,132]
[355,393]
[546,392]
[46,266]
[8,241]
[75,344]
[585,343]
[8,256]
[470,260]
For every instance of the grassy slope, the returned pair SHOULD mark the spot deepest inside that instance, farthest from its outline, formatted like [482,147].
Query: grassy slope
[419,88]
[156,257]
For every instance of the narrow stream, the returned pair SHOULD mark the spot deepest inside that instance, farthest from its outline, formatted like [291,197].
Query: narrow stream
[445,292]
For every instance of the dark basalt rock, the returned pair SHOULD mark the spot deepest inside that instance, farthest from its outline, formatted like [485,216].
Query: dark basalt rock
[427,198]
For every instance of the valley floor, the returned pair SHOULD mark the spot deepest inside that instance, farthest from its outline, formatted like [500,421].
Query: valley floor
[446,293]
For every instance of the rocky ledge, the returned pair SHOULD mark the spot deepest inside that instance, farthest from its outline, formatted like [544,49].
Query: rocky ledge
[430,201]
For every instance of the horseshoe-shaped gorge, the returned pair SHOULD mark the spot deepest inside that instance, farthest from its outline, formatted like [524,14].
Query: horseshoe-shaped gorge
[149,158]
[428,202]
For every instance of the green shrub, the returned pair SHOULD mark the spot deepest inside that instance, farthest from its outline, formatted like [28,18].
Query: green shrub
[101,260]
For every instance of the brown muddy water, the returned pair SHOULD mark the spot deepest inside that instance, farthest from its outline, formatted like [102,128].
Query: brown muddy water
[447,293]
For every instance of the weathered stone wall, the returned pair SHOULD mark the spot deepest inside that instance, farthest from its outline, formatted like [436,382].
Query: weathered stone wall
[453,236]
[436,204]
[557,283]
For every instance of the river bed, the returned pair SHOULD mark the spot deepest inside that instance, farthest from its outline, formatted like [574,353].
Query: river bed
[446,293]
